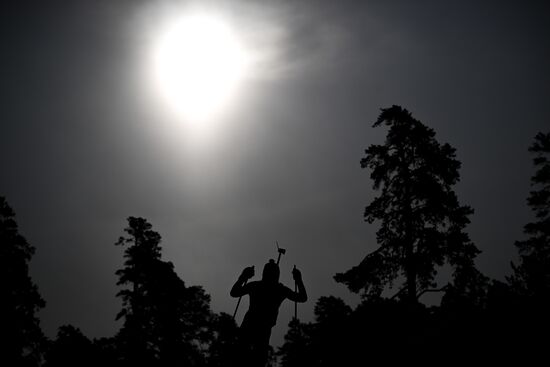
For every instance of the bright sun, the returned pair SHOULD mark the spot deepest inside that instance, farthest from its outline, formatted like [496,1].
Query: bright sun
[198,63]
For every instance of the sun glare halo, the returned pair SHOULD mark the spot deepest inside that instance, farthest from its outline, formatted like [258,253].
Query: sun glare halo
[198,64]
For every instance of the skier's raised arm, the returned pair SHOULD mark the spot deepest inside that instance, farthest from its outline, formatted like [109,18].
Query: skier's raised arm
[239,289]
[301,295]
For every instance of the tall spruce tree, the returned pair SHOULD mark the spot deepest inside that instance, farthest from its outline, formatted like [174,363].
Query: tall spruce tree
[21,337]
[421,221]
[532,276]
[223,347]
[296,350]
[165,322]
[71,348]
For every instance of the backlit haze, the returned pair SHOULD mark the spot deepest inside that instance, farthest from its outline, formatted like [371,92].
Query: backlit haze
[232,124]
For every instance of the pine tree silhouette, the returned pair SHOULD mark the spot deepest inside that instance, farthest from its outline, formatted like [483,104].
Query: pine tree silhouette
[422,222]
[21,338]
[165,322]
[532,276]
[71,348]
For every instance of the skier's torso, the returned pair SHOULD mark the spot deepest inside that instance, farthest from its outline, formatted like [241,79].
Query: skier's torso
[265,300]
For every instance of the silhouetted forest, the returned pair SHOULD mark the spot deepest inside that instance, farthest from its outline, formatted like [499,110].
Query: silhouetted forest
[422,226]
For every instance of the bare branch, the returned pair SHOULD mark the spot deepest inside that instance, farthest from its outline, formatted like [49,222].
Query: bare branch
[428,290]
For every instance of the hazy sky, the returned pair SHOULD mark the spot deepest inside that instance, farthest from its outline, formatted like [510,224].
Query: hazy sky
[85,142]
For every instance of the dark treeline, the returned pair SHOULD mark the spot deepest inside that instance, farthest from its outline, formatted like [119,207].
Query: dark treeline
[165,322]
[422,227]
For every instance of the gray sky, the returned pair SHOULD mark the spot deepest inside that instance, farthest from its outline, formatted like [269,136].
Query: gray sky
[84,144]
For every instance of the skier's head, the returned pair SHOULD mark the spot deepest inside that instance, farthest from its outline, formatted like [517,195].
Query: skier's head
[271,272]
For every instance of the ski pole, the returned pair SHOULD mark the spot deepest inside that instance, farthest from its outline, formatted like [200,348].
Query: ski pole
[295,302]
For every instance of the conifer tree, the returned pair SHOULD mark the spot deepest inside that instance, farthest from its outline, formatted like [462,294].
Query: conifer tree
[165,322]
[532,275]
[71,348]
[21,338]
[421,220]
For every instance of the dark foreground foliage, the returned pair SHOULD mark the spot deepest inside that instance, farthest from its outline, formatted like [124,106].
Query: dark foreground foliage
[384,331]
[21,338]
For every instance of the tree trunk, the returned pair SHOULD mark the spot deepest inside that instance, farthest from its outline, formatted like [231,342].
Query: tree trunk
[411,273]
[410,258]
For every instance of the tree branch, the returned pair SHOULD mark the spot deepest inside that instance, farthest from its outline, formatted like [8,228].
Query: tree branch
[398,293]
[427,290]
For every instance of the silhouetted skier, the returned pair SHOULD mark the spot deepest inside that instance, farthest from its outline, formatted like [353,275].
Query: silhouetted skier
[265,298]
